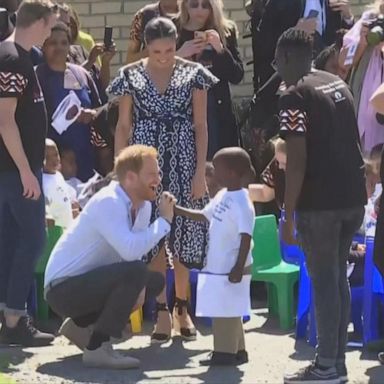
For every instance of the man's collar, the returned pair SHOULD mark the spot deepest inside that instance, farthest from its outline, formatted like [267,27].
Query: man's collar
[124,195]
[120,191]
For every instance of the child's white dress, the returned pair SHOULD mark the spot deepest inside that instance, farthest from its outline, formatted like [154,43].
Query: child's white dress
[230,214]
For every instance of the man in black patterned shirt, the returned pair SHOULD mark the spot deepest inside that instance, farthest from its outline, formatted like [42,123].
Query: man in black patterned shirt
[325,189]
[23,127]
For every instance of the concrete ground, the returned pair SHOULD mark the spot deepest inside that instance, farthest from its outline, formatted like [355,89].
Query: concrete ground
[271,352]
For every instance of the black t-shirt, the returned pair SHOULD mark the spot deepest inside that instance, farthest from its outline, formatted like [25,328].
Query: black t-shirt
[320,108]
[18,80]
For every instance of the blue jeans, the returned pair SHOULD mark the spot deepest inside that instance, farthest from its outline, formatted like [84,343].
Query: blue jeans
[22,238]
[326,238]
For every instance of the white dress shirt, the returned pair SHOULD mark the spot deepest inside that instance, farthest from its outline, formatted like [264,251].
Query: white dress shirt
[104,234]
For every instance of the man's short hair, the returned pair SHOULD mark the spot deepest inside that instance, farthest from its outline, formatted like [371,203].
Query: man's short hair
[297,41]
[132,159]
[31,11]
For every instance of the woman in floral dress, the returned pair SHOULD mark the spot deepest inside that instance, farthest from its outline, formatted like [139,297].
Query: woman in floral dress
[163,103]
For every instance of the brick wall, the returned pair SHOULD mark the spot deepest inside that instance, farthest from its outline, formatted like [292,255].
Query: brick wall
[95,14]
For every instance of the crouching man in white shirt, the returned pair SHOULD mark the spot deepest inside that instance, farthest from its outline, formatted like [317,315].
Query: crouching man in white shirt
[95,274]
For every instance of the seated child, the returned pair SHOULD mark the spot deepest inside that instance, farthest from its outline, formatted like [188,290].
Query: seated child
[84,191]
[69,168]
[231,216]
[58,194]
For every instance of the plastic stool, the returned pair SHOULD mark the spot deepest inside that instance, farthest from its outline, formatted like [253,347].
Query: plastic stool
[136,320]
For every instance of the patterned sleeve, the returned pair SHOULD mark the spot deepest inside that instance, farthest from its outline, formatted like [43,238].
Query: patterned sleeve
[136,33]
[204,79]
[12,82]
[292,116]
[120,86]
[267,177]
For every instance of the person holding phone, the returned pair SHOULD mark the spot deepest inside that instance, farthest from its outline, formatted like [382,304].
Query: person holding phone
[278,16]
[365,61]
[208,37]
[57,78]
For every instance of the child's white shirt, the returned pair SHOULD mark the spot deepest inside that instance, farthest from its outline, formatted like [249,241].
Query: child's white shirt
[58,199]
[230,214]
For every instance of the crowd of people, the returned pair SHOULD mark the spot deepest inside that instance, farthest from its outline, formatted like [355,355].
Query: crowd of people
[151,170]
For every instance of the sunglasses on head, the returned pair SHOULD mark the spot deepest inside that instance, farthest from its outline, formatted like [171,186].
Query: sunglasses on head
[196,4]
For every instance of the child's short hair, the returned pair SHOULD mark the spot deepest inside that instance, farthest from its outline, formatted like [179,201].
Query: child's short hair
[235,159]
[131,159]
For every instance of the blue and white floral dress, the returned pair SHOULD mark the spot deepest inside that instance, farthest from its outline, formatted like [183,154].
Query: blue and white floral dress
[165,121]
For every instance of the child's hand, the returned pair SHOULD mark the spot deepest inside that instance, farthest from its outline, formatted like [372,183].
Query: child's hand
[236,275]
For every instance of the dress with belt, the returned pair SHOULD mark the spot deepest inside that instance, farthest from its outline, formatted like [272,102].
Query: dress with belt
[165,121]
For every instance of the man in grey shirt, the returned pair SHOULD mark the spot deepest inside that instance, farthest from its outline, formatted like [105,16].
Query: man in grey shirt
[95,274]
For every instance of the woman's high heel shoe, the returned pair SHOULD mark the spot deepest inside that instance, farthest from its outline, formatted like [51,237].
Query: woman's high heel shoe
[157,337]
[187,334]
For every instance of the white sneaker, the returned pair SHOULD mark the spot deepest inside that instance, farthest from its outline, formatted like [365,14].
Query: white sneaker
[106,357]
[77,335]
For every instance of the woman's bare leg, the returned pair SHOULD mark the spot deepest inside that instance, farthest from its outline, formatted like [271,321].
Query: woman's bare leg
[163,325]
[182,286]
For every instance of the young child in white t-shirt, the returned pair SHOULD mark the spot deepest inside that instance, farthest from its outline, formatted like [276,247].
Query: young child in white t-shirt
[231,217]
[59,196]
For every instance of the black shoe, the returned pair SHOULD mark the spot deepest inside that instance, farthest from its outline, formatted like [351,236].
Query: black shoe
[24,334]
[342,372]
[220,358]
[187,334]
[242,357]
[156,337]
[313,374]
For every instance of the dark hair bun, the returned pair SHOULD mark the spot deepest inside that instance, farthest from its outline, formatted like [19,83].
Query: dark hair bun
[159,28]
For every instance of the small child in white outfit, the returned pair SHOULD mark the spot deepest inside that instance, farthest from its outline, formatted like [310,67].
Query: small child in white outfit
[231,217]
[59,196]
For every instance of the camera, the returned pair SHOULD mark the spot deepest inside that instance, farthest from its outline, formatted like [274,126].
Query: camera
[375,34]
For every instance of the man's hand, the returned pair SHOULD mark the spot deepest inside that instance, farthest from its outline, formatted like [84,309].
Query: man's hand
[31,186]
[288,229]
[166,206]
[307,25]
[344,7]
[236,274]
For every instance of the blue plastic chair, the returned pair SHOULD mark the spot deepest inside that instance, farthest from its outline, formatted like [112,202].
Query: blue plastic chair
[306,324]
[291,254]
[373,291]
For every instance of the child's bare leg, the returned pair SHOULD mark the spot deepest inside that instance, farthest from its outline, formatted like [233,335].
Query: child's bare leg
[226,334]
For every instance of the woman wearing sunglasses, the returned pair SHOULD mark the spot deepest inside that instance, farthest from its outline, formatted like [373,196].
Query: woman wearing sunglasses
[206,36]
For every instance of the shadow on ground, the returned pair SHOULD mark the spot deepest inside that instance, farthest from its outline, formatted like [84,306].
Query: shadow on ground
[153,358]
[11,357]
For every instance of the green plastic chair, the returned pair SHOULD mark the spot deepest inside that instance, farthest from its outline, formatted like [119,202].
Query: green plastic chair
[53,235]
[269,267]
